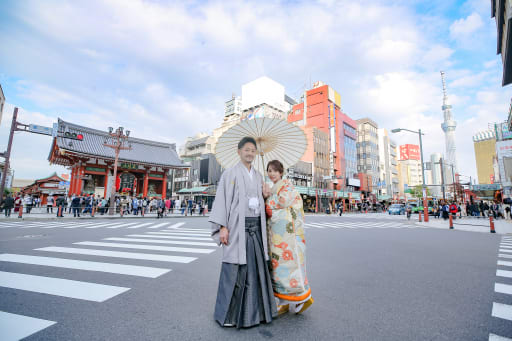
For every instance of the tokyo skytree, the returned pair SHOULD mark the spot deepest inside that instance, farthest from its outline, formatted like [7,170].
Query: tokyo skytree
[449,126]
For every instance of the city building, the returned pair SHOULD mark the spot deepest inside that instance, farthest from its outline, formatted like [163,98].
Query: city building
[368,154]
[45,187]
[409,167]
[320,107]
[484,143]
[264,90]
[142,170]
[501,10]
[233,106]
[196,146]
[388,167]
[301,174]
[19,184]
[2,102]
[317,154]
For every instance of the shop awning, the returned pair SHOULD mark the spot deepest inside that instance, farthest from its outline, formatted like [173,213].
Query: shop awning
[194,190]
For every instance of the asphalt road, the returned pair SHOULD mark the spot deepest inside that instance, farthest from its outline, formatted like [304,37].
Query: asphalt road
[373,277]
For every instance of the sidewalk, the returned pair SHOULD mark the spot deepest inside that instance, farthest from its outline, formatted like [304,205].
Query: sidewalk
[39,213]
[471,224]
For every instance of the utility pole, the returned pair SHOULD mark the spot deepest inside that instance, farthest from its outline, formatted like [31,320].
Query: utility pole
[117,144]
[7,154]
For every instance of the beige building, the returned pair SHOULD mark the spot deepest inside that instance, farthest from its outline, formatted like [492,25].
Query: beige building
[409,173]
[485,152]
[317,153]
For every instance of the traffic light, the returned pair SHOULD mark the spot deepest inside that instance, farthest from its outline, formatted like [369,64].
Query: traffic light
[73,136]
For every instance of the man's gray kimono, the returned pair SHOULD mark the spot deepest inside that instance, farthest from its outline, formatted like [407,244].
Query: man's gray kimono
[243,270]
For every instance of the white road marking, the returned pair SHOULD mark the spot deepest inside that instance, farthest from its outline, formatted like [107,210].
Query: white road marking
[156,241]
[60,287]
[118,254]
[504,256]
[501,310]
[122,269]
[147,247]
[157,225]
[503,288]
[175,226]
[494,337]
[17,327]
[505,250]
[157,235]
[504,263]
[139,225]
[193,234]
[504,273]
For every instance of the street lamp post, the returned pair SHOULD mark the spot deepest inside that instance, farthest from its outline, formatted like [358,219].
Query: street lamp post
[425,205]
[118,140]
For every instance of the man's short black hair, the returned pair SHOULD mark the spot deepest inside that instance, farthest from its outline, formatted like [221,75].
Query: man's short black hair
[246,140]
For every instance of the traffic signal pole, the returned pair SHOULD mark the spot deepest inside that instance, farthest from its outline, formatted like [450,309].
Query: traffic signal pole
[17,126]
[7,153]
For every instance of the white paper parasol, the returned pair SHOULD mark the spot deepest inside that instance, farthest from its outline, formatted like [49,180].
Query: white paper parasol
[277,140]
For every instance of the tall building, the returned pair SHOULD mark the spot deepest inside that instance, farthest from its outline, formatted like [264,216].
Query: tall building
[502,11]
[264,97]
[320,107]
[448,127]
[409,167]
[317,154]
[435,163]
[388,168]
[368,154]
[484,143]
[233,106]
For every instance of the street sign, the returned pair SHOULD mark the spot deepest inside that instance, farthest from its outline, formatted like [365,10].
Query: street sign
[34,128]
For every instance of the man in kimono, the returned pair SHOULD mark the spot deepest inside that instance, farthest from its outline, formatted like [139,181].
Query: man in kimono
[245,297]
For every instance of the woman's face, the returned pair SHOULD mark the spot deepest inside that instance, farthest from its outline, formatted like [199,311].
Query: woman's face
[274,175]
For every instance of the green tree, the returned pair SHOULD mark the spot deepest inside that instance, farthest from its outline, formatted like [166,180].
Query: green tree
[417,192]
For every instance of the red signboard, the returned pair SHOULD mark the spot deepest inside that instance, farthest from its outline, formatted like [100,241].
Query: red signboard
[409,152]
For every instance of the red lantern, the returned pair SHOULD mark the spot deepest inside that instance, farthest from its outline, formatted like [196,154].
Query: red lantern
[118,183]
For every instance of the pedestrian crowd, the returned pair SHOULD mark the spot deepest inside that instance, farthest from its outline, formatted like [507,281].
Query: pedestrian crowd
[90,204]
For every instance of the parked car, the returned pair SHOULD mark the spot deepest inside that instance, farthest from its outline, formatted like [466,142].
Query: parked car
[396,209]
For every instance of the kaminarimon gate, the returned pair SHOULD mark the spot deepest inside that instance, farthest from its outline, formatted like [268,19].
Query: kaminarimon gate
[142,170]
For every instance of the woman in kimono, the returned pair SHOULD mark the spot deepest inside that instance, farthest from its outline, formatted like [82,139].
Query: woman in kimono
[287,245]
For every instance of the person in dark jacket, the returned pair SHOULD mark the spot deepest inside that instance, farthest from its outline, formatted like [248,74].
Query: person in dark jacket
[75,204]
[8,205]
[61,203]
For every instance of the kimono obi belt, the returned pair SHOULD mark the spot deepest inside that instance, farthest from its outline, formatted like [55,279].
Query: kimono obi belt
[252,225]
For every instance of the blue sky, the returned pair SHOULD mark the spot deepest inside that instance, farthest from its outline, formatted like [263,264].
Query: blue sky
[163,69]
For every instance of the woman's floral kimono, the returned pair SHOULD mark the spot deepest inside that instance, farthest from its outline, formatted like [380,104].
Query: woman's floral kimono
[287,244]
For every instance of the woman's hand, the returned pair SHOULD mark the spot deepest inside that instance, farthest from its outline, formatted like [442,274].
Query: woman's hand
[266,190]
[224,235]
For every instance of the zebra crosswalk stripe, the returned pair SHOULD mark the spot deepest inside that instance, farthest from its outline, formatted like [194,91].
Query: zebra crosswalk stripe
[119,254]
[17,327]
[60,287]
[157,241]
[147,247]
[122,269]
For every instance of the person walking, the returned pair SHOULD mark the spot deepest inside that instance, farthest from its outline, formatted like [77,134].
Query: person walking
[135,206]
[285,222]
[28,203]
[160,208]
[49,204]
[8,205]
[75,204]
[245,296]
[61,205]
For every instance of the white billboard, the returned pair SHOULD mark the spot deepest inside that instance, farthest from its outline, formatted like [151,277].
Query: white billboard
[263,90]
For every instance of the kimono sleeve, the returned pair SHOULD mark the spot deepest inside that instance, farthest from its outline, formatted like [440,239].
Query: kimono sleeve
[219,215]
[286,196]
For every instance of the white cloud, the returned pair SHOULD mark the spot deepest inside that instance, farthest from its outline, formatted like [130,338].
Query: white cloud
[164,69]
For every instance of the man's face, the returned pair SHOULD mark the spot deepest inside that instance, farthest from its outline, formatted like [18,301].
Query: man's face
[247,152]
